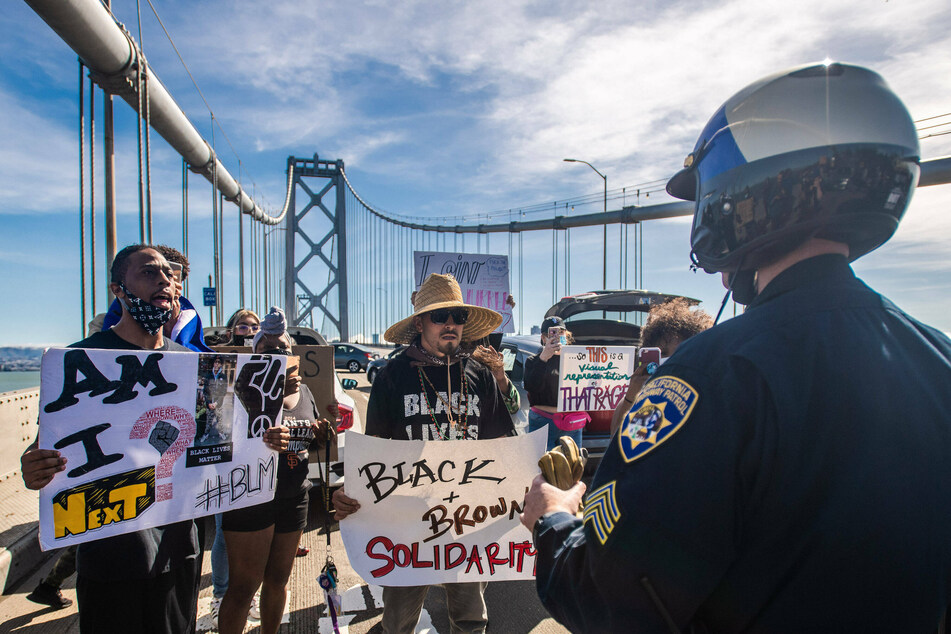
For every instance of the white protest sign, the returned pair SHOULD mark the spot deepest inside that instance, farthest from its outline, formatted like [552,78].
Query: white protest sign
[440,511]
[484,279]
[153,437]
[594,378]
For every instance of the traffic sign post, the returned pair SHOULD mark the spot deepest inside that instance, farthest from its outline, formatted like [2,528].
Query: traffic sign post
[208,296]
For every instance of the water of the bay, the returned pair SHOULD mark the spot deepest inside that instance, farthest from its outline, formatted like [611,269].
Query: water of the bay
[10,381]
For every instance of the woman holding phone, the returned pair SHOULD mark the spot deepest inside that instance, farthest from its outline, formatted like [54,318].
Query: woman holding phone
[541,383]
[668,325]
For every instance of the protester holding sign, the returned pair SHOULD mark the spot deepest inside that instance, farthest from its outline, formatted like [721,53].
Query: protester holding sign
[184,324]
[541,383]
[147,580]
[432,392]
[262,540]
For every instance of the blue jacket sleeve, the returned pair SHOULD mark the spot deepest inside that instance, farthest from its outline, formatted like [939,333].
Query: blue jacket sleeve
[561,573]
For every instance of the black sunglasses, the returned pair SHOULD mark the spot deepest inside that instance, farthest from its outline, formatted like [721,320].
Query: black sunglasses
[442,315]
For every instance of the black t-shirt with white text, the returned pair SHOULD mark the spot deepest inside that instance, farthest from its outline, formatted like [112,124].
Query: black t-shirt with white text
[292,465]
[413,403]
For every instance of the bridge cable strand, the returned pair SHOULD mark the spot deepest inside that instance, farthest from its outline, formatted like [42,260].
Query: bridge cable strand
[257,213]
[92,196]
[185,215]
[82,200]
[138,119]
[200,93]
[143,88]
[240,246]
[148,155]
[214,223]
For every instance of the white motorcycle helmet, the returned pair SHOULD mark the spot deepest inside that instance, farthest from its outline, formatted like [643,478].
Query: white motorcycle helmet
[825,150]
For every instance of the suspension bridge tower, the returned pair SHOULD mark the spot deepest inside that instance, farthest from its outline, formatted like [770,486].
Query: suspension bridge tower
[316,251]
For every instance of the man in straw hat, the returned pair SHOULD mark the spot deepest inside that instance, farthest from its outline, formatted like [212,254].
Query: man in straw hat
[435,392]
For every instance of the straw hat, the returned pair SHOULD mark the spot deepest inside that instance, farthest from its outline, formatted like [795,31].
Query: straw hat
[442,291]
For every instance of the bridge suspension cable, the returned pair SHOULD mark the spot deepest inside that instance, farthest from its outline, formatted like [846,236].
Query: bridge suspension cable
[116,63]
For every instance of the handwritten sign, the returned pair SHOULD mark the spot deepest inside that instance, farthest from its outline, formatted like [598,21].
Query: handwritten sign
[484,279]
[594,378]
[316,370]
[440,511]
[153,437]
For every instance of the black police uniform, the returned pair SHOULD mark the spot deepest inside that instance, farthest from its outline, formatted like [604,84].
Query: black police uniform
[786,471]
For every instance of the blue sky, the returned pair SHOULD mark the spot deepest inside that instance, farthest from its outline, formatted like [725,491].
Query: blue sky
[444,109]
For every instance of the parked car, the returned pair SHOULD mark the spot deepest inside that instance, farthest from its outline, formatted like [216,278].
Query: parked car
[586,332]
[352,356]
[380,362]
[349,415]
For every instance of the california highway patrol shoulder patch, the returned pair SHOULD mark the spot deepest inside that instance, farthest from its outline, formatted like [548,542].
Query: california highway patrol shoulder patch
[663,406]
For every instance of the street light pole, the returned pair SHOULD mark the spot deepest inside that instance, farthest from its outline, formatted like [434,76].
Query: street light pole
[604,268]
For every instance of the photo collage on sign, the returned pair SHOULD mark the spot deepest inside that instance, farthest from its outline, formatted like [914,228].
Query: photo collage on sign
[214,410]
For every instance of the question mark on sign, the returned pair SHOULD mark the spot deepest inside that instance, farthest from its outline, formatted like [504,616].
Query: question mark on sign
[181,438]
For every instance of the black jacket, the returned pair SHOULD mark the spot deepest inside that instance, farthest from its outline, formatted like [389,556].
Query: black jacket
[786,471]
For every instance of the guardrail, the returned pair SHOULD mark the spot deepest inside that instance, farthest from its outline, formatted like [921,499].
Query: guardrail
[19,411]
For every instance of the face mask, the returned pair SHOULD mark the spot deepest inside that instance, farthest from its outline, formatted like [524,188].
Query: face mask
[150,317]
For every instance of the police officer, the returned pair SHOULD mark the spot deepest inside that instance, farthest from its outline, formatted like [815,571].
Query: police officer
[790,469]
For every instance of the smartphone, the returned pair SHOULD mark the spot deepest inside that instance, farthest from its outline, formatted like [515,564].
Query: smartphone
[558,331]
[649,357]
[176,271]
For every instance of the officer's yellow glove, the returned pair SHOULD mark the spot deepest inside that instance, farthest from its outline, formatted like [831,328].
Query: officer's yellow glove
[563,466]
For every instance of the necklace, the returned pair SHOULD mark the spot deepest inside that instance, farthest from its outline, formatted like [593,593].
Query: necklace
[463,416]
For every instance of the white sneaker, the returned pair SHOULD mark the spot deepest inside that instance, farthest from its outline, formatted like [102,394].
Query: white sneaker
[255,611]
[215,608]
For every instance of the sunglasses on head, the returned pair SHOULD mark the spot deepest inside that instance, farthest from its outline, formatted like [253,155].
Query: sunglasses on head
[243,329]
[442,315]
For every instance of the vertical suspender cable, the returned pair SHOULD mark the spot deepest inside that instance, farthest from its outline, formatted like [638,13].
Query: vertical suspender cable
[567,262]
[521,288]
[240,247]
[92,200]
[142,87]
[82,202]
[185,214]
[221,251]
[214,231]
[554,264]
[640,251]
[138,119]
[263,281]
[626,258]
[148,154]
[509,280]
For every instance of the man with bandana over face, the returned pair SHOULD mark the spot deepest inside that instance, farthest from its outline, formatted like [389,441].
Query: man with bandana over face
[146,581]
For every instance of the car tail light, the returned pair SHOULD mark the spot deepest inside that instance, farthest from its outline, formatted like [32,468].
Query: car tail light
[600,421]
[368,355]
[345,421]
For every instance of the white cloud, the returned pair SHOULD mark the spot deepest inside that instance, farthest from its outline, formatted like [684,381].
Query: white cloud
[447,108]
